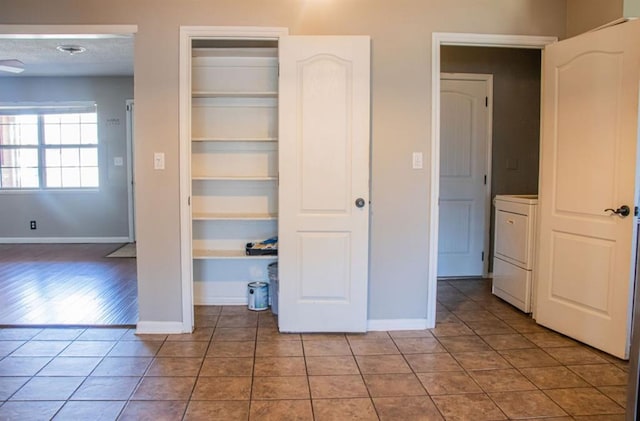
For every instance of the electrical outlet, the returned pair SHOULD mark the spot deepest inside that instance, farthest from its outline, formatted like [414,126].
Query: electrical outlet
[417,160]
[32,225]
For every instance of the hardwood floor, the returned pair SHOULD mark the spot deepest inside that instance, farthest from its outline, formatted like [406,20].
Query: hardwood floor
[66,284]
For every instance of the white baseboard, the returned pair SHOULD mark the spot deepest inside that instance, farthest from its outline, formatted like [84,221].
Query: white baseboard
[397,324]
[219,293]
[159,327]
[60,240]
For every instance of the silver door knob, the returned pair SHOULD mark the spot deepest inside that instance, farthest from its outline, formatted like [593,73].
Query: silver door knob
[359,202]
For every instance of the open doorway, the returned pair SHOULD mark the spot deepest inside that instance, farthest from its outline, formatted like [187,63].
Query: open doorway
[66,173]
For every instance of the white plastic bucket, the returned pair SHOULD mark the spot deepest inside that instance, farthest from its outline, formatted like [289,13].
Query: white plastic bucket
[258,296]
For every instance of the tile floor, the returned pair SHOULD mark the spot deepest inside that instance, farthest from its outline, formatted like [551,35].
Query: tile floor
[483,361]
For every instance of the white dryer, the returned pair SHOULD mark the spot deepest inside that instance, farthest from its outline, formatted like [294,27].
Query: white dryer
[513,251]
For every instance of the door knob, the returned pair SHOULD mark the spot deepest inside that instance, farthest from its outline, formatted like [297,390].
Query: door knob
[359,202]
[622,210]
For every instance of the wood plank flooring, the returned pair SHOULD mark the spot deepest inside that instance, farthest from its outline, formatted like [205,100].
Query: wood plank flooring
[66,284]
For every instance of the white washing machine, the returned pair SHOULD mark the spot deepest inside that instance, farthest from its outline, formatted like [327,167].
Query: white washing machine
[513,251]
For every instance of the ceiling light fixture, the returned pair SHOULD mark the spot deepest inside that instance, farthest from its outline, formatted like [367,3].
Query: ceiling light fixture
[71,49]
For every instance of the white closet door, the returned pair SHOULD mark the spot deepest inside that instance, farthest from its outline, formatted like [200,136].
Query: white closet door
[586,258]
[324,183]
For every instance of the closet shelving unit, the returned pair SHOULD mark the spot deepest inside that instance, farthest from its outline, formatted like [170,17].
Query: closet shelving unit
[234,164]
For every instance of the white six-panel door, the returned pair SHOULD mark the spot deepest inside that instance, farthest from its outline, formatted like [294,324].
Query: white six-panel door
[463,166]
[324,172]
[585,267]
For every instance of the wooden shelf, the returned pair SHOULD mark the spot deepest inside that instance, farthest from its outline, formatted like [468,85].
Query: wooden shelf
[231,140]
[215,94]
[228,254]
[232,178]
[210,216]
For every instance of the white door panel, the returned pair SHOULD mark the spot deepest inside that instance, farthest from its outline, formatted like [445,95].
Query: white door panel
[324,169]
[463,165]
[585,259]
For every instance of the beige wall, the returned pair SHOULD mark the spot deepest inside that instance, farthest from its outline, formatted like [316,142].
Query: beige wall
[401,59]
[584,15]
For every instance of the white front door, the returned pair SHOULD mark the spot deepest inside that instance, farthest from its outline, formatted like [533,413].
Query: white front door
[324,183]
[586,257]
[464,120]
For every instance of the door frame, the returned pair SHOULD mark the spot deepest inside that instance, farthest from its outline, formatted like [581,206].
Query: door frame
[187,34]
[488,78]
[468,40]
[130,124]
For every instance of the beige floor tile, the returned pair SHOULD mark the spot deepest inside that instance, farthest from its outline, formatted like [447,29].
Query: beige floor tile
[619,417]
[131,335]
[198,334]
[164,389]
[279,349]
[509,341]
[445,316]
[601,374]
[29,410]
[286,387]
[375,335]
[415,408]
[238,320]
[183,349]
[584,401]
[617,393]
[374,346]
[472,407]
[106,388]
[222,389]
[553,377]
[90,410]
[70,366]
[528,404]
[475,316]
[524,358]
[464,344]
[41,349]
[174,367]
[122,366]
[290,410]
[323,336]
[509,380]
[382,364]
[48,389]
[102,334]
[482,360]
[141,348]
[225,366]
[153,410]
[426,363]
[217,411]
[490,327]
[332,365]
[7,347]
[18,333]
[575,355]
[231,349]
[549,339]
[448,383]
[525,326]
[451,329]
[358,409]
[393,385]
[9,386]
[419,345]
[272,334]
[234,334]
[55,334]
[317,348]
[399,334]
[280,366]
[327,387]
[88,349]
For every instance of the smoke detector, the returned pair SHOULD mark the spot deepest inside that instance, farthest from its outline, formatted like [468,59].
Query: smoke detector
[71,49]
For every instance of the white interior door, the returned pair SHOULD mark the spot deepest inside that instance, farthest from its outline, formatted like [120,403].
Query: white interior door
[586,255]
[324,183]
[464,198]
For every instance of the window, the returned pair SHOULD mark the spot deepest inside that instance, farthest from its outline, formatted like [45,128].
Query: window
[48,147]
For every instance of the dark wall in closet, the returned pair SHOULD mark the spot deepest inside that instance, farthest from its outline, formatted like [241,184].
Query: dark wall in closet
[516,113]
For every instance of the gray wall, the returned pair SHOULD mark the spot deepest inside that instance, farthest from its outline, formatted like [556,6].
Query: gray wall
[74,214]
[516,114]
[401,33]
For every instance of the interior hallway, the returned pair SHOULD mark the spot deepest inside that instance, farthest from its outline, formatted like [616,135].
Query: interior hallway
[484,360]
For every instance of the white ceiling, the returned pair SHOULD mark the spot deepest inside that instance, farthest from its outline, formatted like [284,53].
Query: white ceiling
[111,56]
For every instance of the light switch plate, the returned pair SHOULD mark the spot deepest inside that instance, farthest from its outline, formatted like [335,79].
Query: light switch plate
[118,161]
[417,161]
[158,161]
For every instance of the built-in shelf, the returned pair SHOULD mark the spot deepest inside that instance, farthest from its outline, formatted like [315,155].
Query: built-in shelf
[232,178]
[210,216]
[217,94]
[228,254]
[227,139]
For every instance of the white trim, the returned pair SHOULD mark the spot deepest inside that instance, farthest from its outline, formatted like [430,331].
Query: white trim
[66,31]
[488,78]
[187,34]
[151,327]
[396,324]
[130,116]
[221,301]
[469,40]
[62,240]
